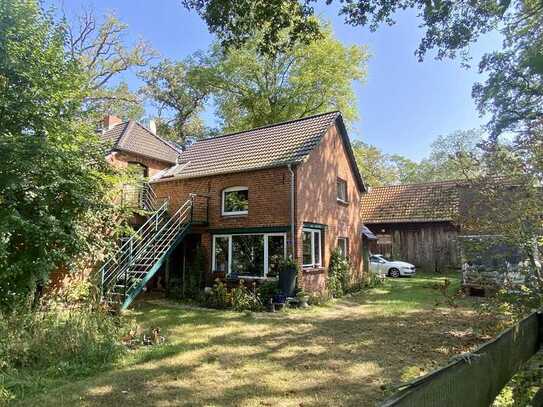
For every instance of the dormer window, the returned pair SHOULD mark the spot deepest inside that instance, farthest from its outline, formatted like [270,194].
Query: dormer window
[341,190]
[235,201]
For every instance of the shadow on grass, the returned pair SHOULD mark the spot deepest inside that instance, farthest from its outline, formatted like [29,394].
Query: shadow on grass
[344,354]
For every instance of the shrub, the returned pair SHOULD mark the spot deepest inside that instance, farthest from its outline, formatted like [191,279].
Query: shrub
[54,343]
[338,274]
[218,297]
[267,290]
[244,299]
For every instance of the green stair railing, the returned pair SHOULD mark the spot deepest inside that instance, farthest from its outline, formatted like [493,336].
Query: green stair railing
[129,269]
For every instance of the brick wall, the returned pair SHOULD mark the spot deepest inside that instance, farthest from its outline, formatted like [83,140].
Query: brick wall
[316,202]
[121,159]
[268,200]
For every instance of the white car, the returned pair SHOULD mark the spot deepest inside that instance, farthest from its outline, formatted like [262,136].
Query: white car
[385,267]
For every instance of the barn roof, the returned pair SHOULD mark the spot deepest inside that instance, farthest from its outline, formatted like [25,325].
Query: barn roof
[425,202]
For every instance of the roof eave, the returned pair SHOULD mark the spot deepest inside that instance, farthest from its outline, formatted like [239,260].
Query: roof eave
[267,167]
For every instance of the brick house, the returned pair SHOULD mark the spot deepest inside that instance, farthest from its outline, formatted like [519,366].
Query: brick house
[246,201]
[417,223]
[290,188]
[133,144]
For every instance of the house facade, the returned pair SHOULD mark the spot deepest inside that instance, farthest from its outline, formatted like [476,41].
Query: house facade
[416,223]
[288,189]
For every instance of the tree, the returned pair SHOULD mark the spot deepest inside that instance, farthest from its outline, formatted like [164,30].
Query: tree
[53,178]
[251,89]
[450,26]
[376,168]
[100,49]
[180,95]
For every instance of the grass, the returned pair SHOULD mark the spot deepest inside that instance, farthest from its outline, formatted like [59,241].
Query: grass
[350,352]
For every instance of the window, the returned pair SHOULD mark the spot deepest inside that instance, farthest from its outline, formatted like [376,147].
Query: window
[311,246]
[235,201]
[249,255]
[221,254]
[343,246]
[341,190]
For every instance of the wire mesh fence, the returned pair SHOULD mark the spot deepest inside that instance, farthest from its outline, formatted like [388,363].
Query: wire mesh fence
[475,379]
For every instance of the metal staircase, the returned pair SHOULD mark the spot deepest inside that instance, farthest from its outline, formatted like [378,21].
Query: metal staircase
[127,271]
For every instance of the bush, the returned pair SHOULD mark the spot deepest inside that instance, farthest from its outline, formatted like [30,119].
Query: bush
[338,274]
[244,299]
[218,297]
[267,290]
[54,343]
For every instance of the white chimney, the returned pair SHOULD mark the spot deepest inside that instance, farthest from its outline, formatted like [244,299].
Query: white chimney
[152,126]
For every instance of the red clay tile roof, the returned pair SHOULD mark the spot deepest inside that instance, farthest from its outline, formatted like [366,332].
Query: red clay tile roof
[135,138]
[426,202]
[264,147]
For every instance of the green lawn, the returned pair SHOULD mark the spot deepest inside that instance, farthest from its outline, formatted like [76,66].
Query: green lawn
[350,352]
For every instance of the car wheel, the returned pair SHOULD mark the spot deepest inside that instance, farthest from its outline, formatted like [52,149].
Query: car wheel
[394,273]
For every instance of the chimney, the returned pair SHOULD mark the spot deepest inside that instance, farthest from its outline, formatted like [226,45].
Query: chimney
[110,121]
[152,126]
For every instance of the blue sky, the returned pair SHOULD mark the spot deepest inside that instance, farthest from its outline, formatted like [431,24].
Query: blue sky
[403,106]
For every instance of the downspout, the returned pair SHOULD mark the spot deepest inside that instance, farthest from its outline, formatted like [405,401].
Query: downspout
[292,209]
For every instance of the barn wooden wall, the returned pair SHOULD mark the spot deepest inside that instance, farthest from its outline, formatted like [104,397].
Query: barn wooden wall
[428,245]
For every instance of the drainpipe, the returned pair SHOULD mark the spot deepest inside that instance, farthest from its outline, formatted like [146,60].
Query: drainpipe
[292,226]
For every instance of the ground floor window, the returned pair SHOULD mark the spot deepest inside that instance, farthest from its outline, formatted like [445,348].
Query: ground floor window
[343,246]
[249,255]
[311,245]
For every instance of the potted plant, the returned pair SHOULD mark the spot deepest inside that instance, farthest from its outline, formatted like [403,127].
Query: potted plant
[303,298]
[288,272]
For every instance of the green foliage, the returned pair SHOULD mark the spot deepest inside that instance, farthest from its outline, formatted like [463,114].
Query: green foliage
[42,346]
[102,54]
[338,274]
[55,186]
[219,297]
[252,90]
[376,167]
[267,290]
[452,156]
[180,94]
[246,299]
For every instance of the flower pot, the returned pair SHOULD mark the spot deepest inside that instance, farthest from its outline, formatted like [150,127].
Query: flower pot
[287,281]
[303,301]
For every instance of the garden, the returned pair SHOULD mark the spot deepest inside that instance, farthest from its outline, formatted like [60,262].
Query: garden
[350,351]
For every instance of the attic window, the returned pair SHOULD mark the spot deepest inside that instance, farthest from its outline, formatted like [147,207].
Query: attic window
[235,201]
[341,190]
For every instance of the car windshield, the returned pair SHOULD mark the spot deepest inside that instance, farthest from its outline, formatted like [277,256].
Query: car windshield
[377,257]
[383,258]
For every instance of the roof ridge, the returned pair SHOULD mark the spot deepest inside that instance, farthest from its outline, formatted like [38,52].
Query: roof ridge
[125,132]
[269,125]
[421,184]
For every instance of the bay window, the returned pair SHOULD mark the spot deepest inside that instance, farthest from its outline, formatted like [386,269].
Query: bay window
[249,255]
[311,248]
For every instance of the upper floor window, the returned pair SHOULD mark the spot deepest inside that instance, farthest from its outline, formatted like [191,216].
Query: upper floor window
[341,190]
[343,246]
[138,169]
[235,201]
[311,245]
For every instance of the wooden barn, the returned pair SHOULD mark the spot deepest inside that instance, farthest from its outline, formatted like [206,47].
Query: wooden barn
[415,223]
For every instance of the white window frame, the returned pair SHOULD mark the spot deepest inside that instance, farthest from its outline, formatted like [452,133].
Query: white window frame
[339,199]
[314,263]
[266,258]
[346,240]
[233,189]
